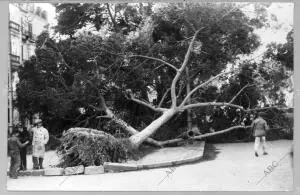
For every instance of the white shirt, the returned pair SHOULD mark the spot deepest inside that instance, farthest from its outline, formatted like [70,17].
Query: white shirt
[40,136]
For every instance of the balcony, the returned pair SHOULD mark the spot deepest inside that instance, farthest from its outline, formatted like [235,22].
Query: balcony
[26,35]
[14,26]
[14,61]
[26,7]
[32,37]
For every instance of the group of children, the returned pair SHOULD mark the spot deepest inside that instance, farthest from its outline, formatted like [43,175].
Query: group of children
[17,147]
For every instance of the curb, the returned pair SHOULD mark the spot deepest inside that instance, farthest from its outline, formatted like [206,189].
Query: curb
[92,170]
[119,167]
[54,171]
[108,167]
[40,172]
[74,170]
[155,165]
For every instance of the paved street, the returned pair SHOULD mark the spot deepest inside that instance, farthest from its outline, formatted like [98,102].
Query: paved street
[225,167]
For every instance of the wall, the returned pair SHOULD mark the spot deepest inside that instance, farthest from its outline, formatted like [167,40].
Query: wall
[25,16]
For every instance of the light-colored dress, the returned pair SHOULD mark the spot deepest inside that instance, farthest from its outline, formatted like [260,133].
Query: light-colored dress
[40,139]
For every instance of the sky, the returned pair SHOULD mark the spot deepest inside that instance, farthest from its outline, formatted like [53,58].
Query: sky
[284,13]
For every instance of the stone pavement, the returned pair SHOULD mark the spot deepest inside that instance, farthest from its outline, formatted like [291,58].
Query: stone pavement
[228,167]
[50,159]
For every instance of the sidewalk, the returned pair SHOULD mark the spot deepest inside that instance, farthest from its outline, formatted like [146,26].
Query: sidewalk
[51,158]
[226,167]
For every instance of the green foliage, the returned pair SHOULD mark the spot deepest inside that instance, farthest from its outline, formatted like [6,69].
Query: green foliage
[222,40]
[275,71]
[89,147]
[66,77]
[250,95]
[74,16]
[283,53]
[117,17]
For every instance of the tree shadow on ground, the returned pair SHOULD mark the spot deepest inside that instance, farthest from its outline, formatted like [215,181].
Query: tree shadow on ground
[143,151]
[210,152]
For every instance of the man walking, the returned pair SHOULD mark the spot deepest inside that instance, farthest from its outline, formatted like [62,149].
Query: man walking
[259,128]
[39,140]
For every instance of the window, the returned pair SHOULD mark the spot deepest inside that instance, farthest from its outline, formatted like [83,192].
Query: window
[15,46]
[25,52]
[44,15]
[31,50]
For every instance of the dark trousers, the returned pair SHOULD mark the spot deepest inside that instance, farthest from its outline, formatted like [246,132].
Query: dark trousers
[37,162]
[23,152]
[15,162]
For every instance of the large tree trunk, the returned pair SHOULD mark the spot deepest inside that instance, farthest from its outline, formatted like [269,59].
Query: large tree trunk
[188,90]
[127,127]
[138,139]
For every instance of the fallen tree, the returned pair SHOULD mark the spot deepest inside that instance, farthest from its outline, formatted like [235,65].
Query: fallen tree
[90,147]
[138,138]
[79,68]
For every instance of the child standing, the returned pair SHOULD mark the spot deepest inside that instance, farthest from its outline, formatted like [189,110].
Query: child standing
[23,136]
[14,146]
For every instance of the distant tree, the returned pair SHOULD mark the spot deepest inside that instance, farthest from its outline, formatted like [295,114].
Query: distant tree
[276,70]
[118,17]
[283,53]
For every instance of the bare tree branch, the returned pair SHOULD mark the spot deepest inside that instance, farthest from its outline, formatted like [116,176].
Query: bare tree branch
[221,132]
[163,97]
[196,105]
[167,142]
[147,105]
[190,24]
[239,93]
[180,91]
[172,141]
[181,87]
[179,72]
[201,85]
[142,56]
[157,59]
[112,17]
[105,116]
[113,117]
[249,102]
[271,107]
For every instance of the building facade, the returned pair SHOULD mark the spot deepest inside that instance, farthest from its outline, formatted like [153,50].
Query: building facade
[26,22]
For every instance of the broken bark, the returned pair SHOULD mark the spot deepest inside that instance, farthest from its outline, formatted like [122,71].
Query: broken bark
[122,123]
[137,139]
